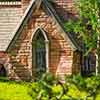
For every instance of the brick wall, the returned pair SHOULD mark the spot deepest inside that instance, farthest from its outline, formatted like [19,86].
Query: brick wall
[76,66]
[60,53]
[65,4]
[67,8]
[25,4]
[4,60]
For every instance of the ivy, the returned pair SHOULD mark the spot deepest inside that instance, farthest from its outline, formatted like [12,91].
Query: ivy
[86,25]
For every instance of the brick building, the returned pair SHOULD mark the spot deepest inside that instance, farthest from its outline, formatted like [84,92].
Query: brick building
[34,40]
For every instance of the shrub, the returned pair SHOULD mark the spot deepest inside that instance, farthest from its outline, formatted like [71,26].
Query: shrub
[49,87]
[75,87]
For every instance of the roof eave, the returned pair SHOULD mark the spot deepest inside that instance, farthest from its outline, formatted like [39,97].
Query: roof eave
[67,36]
[21,24]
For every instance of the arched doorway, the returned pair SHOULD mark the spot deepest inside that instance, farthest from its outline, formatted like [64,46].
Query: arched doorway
[3,72]
[39,53]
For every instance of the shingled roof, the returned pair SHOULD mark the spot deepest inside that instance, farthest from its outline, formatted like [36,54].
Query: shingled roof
[31,8]
[10,15]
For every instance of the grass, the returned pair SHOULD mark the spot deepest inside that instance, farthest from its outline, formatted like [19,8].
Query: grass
[10,90]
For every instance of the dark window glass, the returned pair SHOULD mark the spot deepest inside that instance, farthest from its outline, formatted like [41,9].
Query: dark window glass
[40,55]
[2,71]
[89,64]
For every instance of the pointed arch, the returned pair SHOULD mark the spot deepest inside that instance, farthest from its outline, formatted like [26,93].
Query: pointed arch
[37,30]
[40,50]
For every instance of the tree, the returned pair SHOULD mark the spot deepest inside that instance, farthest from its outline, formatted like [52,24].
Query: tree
[87,27]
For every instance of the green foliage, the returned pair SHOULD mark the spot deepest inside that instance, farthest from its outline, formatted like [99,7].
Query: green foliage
[74,88]
[86,26]
[51,88]
[10,90]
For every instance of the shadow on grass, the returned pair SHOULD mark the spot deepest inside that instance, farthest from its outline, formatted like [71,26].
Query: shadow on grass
[5,79]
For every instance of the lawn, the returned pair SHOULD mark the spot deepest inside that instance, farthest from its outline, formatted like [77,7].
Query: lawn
[14,91]
[11,90]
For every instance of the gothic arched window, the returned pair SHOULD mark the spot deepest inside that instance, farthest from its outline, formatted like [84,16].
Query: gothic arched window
[40,53]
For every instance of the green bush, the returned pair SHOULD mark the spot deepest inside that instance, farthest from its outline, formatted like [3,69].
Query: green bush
[75,88]
[51,88]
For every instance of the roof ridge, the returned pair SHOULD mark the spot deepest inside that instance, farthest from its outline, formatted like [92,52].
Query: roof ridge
[10,3]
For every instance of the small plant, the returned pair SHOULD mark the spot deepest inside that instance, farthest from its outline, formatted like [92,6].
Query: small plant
[75,87]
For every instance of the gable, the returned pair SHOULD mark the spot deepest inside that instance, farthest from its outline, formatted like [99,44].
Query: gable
[32,7]
[59,52]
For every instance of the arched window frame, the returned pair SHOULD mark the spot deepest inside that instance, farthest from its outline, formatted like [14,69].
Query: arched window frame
[37,30]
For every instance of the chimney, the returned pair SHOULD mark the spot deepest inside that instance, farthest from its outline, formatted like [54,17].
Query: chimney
[25,4]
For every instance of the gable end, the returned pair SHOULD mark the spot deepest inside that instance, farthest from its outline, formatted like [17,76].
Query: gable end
[27,15]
